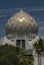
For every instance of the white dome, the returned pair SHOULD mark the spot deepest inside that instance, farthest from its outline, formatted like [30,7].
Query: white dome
[21,21]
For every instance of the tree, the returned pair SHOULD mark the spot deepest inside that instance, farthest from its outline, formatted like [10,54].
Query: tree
[10,55]
[39,48]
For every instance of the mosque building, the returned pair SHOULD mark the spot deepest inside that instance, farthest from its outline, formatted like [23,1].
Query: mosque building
[22,30]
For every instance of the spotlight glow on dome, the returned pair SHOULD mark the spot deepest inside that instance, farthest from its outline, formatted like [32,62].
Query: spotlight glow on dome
[21,19]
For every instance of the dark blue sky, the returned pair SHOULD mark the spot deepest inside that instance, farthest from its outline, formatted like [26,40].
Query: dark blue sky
[21,3]
[34,7]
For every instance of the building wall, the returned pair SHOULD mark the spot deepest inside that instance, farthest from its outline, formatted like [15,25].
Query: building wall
[28,45]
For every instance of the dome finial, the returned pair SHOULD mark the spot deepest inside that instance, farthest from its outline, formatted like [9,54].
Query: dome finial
[21,10]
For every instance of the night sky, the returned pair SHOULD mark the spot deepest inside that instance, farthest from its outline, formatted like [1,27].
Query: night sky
[33,7]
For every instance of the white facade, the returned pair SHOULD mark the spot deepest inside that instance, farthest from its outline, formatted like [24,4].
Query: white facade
[28,43]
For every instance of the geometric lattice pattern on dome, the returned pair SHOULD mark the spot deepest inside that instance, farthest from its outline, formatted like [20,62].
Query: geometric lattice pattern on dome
[21,21]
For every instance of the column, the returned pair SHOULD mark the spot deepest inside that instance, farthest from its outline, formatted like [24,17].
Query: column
[35,60]
[42,59]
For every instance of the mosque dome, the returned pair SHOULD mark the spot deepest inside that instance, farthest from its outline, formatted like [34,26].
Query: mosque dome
[21,23]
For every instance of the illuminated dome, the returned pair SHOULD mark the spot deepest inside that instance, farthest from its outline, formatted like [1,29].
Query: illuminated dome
[21,23]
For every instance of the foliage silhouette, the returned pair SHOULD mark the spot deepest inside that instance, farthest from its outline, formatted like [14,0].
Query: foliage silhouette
[10,55]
